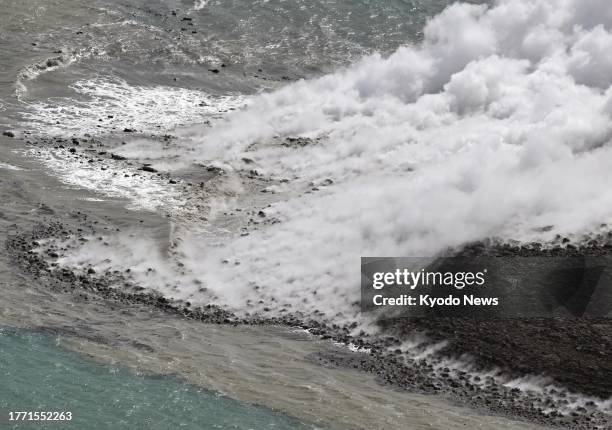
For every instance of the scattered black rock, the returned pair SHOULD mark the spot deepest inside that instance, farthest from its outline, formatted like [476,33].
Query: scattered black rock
[8,134]
[148,169]
[509,339]
[53,62]
[298,142]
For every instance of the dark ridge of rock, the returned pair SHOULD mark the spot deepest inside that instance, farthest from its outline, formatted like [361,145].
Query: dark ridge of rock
[148,169]
[576,352]
[298,142]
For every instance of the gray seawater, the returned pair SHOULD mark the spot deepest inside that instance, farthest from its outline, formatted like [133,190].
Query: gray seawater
[141,41]
[72,66]
[48,46]
[38,375]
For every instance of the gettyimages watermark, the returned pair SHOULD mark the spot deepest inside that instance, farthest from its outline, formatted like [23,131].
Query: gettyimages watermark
[487,287]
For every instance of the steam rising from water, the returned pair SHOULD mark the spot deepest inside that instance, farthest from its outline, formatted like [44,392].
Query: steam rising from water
[496,125]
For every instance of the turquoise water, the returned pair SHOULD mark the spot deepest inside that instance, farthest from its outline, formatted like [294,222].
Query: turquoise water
[37,375]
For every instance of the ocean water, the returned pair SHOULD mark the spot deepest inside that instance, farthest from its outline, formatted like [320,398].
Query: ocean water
[481,130]
[413,139]
[343,128]
[39,375]
[78,69]
[53,343]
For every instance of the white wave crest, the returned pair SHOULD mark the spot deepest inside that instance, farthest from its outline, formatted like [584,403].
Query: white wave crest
[102,105]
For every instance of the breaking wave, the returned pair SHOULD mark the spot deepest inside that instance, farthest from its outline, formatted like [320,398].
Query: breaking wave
[104,104]
[32,71]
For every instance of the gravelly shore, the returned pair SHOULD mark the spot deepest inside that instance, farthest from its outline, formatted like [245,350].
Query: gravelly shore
[574,352]
[518,347]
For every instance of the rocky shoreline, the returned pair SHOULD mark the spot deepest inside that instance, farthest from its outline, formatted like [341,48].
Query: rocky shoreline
[523,347]
[573,352]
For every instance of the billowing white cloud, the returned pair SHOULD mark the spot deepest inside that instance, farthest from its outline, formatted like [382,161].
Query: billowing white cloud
[498,123]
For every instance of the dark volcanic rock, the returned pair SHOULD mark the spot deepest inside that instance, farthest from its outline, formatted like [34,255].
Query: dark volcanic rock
[148,169]
[576,352]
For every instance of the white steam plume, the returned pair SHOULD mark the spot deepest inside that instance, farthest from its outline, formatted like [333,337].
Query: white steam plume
[497,124]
